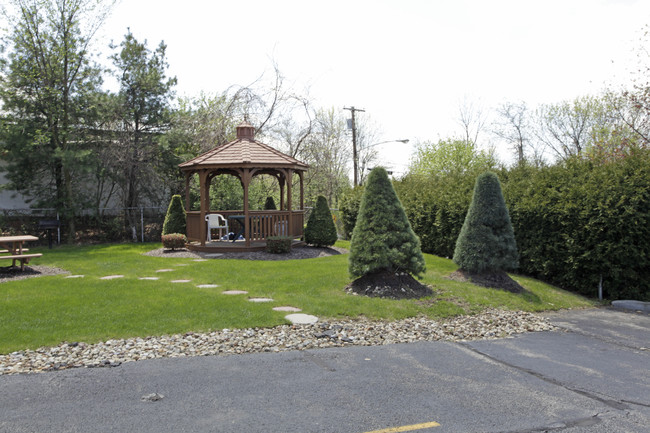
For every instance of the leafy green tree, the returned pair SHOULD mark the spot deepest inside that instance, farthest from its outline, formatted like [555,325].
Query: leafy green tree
[349,207]
[321,230]
[450,157]
[487,242]
[48,92]
[142,113]
[175,221]
[383,238]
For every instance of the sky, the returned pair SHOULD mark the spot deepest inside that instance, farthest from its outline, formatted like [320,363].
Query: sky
[410,64]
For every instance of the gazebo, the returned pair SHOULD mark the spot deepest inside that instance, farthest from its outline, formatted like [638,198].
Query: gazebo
[245,158]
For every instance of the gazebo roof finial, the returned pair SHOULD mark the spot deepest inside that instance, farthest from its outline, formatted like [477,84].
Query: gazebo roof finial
[245,130]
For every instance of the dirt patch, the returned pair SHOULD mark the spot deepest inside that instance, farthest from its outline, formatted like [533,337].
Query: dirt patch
[386,284]
[493,280]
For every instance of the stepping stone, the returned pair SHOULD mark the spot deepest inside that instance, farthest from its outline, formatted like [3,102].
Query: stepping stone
[148,278]
[213,255]
[74,276]
[261,300]
[207,286]
[111,277]
[180,281]
[164,270]
[200,260]
[234,292]
[287,309]
[301,319]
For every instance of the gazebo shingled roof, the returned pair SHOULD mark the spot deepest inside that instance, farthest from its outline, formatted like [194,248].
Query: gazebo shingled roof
[244,151]
[245,158]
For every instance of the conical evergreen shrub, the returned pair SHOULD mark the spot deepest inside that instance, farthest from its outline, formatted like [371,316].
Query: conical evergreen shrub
[321,230]
[175,218]
[382,239]
[487,242]
[269,204]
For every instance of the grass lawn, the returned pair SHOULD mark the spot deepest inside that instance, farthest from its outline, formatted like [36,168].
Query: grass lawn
[46,311]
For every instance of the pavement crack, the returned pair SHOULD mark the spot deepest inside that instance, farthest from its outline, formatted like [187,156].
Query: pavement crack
[614,404]
[319,362]
[607,340]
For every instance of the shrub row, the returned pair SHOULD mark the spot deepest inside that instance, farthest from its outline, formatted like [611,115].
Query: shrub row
[574,222]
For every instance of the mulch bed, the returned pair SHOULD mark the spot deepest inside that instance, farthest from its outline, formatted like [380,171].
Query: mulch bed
[493,280]
[386,284]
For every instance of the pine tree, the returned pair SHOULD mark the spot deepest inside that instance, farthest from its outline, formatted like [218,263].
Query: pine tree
[487,242]
[383,238]
[175,219]
[321,230]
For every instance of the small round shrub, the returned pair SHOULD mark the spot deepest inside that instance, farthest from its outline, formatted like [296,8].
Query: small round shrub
[321,230]
[174,240]
[175,218]
[278,244]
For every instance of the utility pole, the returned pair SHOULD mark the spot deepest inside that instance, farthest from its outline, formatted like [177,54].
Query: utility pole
[355,157]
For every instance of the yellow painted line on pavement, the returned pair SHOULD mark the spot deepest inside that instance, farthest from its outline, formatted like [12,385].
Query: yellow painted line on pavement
[404,428]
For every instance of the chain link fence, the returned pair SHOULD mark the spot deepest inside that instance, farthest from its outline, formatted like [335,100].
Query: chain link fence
[143,224]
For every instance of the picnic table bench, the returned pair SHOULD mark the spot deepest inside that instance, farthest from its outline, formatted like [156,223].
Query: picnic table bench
[13,246]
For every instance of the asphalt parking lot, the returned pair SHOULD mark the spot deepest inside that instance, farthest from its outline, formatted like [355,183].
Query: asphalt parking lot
[592,375]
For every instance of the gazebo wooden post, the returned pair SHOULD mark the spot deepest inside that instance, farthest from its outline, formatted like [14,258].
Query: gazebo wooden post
[302,191]
[247,224]
[289,204]
[281,182]
[204,182]
[188,176]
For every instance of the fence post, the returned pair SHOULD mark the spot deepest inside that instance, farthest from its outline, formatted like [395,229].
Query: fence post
[58,230]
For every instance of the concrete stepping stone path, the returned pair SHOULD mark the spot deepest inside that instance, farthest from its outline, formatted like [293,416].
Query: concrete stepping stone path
[149,278]
[260,300]
[111,277]
[165,270]
[180,281]
[287,309]
[207,286]
[74,276]
[301,319]
[235,292]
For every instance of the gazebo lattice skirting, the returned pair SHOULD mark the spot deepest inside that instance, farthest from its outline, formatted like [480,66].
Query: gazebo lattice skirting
[245,158]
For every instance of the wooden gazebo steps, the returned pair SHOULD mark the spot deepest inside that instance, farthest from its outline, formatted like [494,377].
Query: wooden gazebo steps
[234,247]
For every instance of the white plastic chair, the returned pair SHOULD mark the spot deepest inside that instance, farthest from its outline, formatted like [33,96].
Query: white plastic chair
[216,221]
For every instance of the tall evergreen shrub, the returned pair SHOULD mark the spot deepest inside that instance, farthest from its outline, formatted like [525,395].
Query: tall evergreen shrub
[175,218]
[487,242]
[321,230]
[269,204]
[383,238]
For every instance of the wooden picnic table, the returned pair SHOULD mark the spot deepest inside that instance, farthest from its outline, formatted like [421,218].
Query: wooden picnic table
[14,246]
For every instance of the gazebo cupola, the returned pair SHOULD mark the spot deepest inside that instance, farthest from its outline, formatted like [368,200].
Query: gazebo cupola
[245,158]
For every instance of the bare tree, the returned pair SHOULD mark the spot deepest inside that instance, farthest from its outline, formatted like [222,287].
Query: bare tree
[513,126]
[472,118]
[568,128]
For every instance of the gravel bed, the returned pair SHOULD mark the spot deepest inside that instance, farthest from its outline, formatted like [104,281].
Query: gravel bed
[490,324]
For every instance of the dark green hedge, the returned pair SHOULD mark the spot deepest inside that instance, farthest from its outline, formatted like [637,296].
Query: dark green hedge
[574,222]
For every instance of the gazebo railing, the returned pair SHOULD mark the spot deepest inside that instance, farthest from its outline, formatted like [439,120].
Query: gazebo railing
[263,223]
